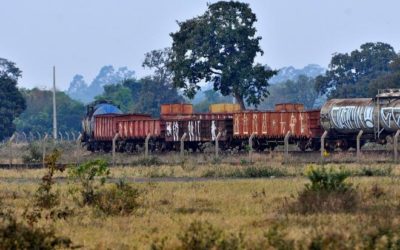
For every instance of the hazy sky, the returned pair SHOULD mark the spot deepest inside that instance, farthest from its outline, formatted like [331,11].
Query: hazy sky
[81,36]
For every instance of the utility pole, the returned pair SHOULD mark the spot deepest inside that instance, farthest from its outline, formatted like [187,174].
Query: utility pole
[54,105]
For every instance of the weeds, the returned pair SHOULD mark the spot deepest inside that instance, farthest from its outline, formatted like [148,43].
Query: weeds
[121,199]
[44,196]
[203,235]
[17,235]
[327,192]
[86,174]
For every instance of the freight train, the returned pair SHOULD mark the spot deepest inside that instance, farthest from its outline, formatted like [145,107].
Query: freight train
[342,119]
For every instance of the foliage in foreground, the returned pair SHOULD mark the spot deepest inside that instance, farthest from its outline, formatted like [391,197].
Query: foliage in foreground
[18,235]
[121,199]
[44,196]
[327,192]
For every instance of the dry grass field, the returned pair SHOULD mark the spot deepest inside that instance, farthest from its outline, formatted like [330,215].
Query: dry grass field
[214,205]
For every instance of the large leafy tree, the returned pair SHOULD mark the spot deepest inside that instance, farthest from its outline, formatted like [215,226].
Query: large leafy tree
[300,90]
[219,47]
[12,103]
[349,75]
[389,80]
[38,116]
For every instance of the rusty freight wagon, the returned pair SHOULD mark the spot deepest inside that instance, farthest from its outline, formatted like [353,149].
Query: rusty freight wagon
[198,128]
[269,128]
[132,129]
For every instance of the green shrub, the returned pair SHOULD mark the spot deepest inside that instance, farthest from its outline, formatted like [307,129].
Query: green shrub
[44,196]
[86,174]
[327,192]
[121,199]
[377,171]
[35,153]
[17,235]
[203,235]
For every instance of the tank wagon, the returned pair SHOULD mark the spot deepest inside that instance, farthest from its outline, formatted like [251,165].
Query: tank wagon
[378,118]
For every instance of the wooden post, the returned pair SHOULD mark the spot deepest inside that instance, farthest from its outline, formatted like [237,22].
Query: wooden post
[183,144]
[44,149]
[286,142]
[146,145]
[113,147]
[359,145]
[39,136]
[10,147]
[73,135]
[395,145]
[78,147]
[323,144]
[217,144]
[251,146]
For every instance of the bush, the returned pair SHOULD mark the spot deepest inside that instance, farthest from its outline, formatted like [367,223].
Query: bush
[121,199]
[44,196]
[370,171]
[327,192]
[16,235]
[86,174]
[35,153]
[202,235]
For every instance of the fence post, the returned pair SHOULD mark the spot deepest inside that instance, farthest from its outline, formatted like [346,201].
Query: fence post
[183,144]
[39,136]
[395,144]
[113,148]
[44,149]
[67,135]
[32,138]
[217,144]
[358,145]
[323,144]
[25,137]
[61,136]
[10,146]
[146,145]
[251,146]
[73,135]
[78,147]
[286,142]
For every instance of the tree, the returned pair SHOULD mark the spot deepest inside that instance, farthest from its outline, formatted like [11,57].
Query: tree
[158,60]
[211,97]
[300,90]
[12,103]
[350,74]
[38,116]
[220,46]
[388,80]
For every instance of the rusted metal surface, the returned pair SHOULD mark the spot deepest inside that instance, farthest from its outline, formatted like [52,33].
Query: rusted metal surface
[176,109]
[348,116]
[224,108]
[198,127]
[289,107]
[272,124]
[139,129]
[129,126]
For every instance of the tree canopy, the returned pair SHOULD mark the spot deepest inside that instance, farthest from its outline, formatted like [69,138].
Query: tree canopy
[12,103]
[349,75]
[219,47]
[38,117]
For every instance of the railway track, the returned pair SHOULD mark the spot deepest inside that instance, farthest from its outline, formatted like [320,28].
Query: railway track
[377,156]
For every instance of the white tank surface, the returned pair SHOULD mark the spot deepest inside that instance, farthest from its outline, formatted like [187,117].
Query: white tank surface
[348,116]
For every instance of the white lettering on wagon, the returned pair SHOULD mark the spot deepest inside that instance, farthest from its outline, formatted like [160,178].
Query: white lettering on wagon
[352,117]
[391,115]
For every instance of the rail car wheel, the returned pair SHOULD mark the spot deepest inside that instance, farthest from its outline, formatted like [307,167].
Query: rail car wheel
[344,145]
[315,145]
[303,145]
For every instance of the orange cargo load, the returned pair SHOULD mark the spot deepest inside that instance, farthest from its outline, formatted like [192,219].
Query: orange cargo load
[289,107]
[176,109]
[224,108]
